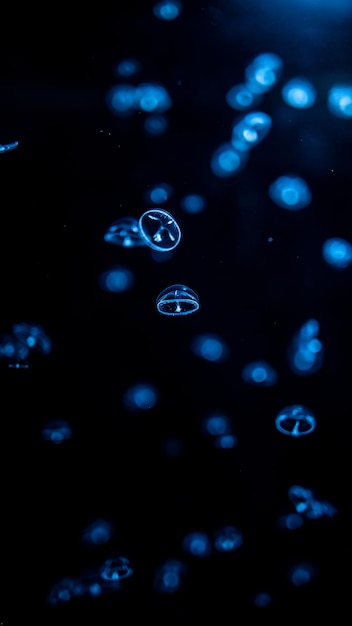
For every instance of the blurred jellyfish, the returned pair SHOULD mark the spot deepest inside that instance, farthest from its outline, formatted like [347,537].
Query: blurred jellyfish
[98,533]
[226,442]
[227,539]
[250,130]
[193,203]
[151,98]
[142,397]
[264,72]
[125,232]
[120,99]
[8,146]
[159,230]
[295,420]
[292,521]
[259,373]
[305,352]
[57,431]
[32,337]
[210,347]
[13,351]
[226,161]
[177,300]
[290,192]
[299,93]
[337,252]
[301,574]
[306,504]
[167,10]
[64,591]
[217,424]
[241,98]
[197,544]
[127,68]
[170,576]
[158,194]
[262,600]
[155,124]
[116,568]
[117,279]
[340,101]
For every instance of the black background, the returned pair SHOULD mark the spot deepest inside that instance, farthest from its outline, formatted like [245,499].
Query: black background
[77,169]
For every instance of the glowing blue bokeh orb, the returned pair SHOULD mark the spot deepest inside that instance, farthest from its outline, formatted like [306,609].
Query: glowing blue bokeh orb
[263,73]
[197,544]
[262,600]
[125,232]
[120,99]
[340,101]
[167,10]
[226,161]
[250,130]
[337,252]
[290,192]
[259,373]
[226,442]
[57,431]
[292,521]
[169,577]
[216,424]
[241,97]
[151,98]
[155,125]
[158,194]
[296,421]
[193,203]
[97,533]
[305,352]
[127,68]
[159,230]
[227,539]
[177,300]
[299,93]
[210,347]
[141,397]
[301,574]
[32,337]
[117,279]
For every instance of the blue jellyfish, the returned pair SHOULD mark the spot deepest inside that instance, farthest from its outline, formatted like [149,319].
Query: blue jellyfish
[151,98]
[301,574]
[290,192]
[116,568]
[170,576]
[32,336]
[337,252]
[120,99]
[340,101]
[299,93]
[226,161]
[227,539]
[197,544]
[210,347]
[97,533]
[241,97]
[177,300]
[158,194]
[259,373]
[64,591]
[250,130]
[155,125]
[127,68]
[295,420]
[264,72]
[226,442]
[117,279]
[262,600]
[193,203]
[167,10]
[306,504]
[292,521]
[57,431]
[159,230]
[140,397]
[125,232]
[305,353]
[217,424]
[8,146]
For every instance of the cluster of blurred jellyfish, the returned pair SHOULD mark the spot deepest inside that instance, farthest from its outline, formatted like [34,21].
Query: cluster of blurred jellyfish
[16,348]
[307,505]
[218,426]
[305,352]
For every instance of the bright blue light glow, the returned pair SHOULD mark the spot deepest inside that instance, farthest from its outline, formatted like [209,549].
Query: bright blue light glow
[33,337]
[8,146]
[197,544]
[117,279]
[259,373]
[159,194]
[299,93]
[226,161]
[125,232]
[98,533]
[296,421]
[151,98]
[301,574]
[210,347]
[241,98]
[193,203]
[159,230]
[262,600]
[227,539]
[290,192]
[264,72]
[177,300]
[340,101]
[140,397]
[116,568]
[167,10]
[250,130]
[57,431]
[337,252]
[127,68]
[155,124]
[305,353]
[121,99]
[226,441]
[217,425]
[169,577]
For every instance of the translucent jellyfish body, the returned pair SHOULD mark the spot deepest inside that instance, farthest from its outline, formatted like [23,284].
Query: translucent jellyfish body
[299,93]
[241,97]
[125,232]
[158,194]
[217,424]
[259,373]
[117,279]
[305,353]
[193,203]
[226,161]
[127,68]
[8,146]
[141,397]
[264,72]
[97,533]
[308,505]
[167,10]
[64,591]
[340,101]
[250,130]
[159,230]
[169,577]
[151,98]
[197,544]
[116,568]
[57,431]
[32,337]
[337,252]
[210,347]
[155,125]
[177,300]
[120,99]
[290,192]
[227,539]
[301,574]
[292,521]
[295,420]
[13,351]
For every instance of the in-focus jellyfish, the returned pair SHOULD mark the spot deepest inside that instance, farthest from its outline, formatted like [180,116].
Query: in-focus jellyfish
[301,574]
[210,347]
[127,68]
[241,98]
[151,98]
[170,576]
[57,431]
[141,397]
[5,147]
[198,544]
[177,300]
[259,373]
[217,424]
[117,279]
[295,420]
[340,101]
[155,124]
[250,130]
[263,73]
[262,600]
[98,533]
[225,442]
[226,161]
[290,192]
[158,194]
[227,539]
[193,203]
[125,232]
[159,230]
[167,10]
[299,93]
[337,252]
[305,353]
[32,337]
[120,99]
[116,568]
